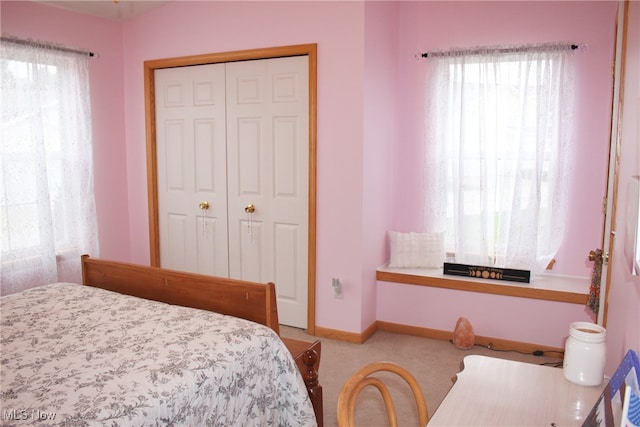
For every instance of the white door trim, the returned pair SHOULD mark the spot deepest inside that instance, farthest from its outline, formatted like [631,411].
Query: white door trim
[610,225]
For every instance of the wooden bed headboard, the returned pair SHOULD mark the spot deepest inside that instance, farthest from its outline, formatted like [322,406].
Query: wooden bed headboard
[239,298]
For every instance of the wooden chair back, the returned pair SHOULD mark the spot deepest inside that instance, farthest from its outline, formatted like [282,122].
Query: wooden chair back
[361,379]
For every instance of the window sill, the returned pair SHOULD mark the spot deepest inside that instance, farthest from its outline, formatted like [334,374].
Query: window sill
[547,287]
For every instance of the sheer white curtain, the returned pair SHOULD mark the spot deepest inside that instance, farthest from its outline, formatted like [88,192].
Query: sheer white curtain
[47,207]
[498,154]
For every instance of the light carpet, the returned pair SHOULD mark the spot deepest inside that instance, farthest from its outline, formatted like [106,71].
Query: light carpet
[434,363]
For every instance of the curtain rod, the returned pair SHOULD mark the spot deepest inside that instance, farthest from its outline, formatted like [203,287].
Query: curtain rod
[479,50]
[44,45]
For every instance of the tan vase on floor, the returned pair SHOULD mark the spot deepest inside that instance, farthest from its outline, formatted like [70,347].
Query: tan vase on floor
[463,336]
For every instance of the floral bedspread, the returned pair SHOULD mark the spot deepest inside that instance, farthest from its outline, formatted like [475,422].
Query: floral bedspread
[74,355]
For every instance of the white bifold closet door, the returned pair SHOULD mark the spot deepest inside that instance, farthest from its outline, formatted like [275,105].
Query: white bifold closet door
[232,144]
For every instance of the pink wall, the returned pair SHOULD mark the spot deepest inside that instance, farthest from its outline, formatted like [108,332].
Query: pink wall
[34,21]
[379,147]
[495,316]
[368,136]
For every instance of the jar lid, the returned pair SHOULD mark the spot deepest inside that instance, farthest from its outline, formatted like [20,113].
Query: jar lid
[587,331]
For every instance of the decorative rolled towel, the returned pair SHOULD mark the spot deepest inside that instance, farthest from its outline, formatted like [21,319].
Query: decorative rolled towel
[596,276]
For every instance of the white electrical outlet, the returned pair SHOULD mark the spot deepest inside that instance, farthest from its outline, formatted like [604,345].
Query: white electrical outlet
[337,288]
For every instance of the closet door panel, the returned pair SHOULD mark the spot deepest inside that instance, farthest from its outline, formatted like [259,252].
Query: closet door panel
[247,139]
[176,235]
[205,155]
[247,159]
[267,140]
[174,147]
[191,150]
[286,158]
[250,243]
[286,257]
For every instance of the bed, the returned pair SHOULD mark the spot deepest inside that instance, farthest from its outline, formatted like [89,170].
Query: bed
[148,346]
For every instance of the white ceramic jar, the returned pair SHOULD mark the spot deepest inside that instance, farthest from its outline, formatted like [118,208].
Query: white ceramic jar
[585,354]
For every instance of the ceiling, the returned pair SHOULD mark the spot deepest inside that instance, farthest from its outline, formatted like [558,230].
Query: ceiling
[120,10]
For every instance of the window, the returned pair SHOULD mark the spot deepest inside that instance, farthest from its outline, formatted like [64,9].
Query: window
[47,209]
[498,154]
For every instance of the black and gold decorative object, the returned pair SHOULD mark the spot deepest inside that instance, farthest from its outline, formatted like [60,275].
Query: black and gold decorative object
[491,273]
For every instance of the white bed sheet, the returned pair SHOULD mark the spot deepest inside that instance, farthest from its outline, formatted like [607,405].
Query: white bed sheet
[74,355]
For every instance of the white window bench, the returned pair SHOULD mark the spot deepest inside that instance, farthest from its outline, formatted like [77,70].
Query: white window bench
[547,287]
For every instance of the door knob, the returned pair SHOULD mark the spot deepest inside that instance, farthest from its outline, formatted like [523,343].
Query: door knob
[600,256]
[250,208]
[204,205]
